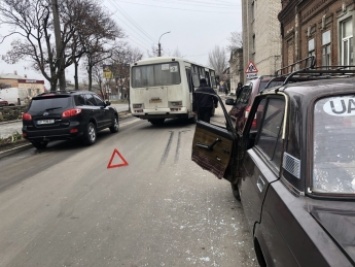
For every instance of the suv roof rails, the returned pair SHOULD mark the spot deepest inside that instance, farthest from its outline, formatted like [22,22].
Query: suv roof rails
[311,72]
[321,72]
[307,63]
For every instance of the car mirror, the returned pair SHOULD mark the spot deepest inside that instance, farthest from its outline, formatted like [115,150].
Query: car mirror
[230,101]
[251,139]
[107,103]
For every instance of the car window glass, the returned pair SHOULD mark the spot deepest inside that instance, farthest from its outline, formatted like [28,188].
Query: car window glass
[269,139]
[244,95]
[334,145]
[50,103]
[99,101]
[79,100]
[90,100]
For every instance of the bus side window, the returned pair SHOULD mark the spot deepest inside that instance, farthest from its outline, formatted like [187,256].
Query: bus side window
[208,78]
[189,80]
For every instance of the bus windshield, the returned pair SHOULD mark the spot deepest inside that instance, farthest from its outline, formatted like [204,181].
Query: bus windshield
[156,75]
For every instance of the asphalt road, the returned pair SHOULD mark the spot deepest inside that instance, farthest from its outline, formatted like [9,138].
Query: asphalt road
[133,199]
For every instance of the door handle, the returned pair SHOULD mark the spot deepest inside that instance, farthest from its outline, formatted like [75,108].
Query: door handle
[209,147]
[260,183]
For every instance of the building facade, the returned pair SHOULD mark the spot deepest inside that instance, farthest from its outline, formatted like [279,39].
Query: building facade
[320,28]
[261,35]
[32,86]
[236,69]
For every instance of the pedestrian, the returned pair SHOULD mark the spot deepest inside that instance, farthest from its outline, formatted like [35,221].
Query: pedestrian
[203,104]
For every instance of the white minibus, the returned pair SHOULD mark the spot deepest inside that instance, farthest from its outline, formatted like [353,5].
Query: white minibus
[163,87]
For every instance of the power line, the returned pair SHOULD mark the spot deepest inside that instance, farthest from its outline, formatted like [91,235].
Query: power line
[144,40]
[209,9]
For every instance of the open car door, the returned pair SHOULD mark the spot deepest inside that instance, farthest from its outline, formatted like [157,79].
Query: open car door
[214,143]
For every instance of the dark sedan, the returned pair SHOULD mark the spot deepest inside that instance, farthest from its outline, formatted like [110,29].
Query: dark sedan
[295,173]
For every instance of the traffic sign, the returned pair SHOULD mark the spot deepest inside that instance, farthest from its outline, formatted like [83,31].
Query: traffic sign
[251,68]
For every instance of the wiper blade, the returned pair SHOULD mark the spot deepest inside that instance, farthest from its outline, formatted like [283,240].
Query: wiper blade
[48,109]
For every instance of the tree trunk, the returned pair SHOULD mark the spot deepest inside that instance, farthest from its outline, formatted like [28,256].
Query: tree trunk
[76,78]
[90,77]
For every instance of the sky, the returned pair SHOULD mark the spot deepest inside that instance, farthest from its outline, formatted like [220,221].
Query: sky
[195,27]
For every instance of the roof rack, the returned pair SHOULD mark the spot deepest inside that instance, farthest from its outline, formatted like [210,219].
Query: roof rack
[307,63]
[294,72]
[321,72]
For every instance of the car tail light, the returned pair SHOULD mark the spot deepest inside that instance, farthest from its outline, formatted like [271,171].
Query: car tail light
[71,112]
[247,111]
[26,117]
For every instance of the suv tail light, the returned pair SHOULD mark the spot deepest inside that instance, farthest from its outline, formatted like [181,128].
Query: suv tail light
[26,117]
[71,112]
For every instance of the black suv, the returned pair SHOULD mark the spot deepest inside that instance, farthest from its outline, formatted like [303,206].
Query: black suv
[66,115]
[294,173]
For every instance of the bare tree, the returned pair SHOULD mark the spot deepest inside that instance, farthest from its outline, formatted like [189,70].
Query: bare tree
[84,28]
[33,20]
[103,30]
[217,59]
[236,41]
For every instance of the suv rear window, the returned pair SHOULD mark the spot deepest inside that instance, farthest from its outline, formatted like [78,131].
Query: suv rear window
[49,103]
[334,145]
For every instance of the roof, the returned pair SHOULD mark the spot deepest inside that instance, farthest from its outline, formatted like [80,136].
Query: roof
[10,76]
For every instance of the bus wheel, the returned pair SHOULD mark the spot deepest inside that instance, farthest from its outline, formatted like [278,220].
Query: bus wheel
[157,121]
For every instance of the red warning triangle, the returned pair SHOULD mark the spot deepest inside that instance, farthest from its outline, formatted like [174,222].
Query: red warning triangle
[122,162]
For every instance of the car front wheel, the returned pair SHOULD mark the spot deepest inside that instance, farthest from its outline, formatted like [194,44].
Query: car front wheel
[115,126]
[236,192]
[90,134]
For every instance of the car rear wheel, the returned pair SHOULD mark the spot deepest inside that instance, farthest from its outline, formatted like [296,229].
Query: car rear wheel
[39,144]
[115,126]
[90,134]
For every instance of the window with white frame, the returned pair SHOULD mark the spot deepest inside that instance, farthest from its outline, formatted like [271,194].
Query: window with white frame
[311,48]
[326,53]
[346,47]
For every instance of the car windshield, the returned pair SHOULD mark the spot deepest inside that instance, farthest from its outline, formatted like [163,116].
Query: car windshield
[46,104]
[334,145]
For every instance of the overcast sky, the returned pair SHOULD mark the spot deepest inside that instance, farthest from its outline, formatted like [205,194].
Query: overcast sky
[195,26]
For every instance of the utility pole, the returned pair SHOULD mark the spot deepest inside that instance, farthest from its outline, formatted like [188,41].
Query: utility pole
[159,45]
[60,61]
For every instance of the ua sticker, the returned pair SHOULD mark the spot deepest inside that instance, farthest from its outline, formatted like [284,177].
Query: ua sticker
[341,106]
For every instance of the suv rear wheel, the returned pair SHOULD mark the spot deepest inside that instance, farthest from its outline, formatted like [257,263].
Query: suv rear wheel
[39,144]
[90,134]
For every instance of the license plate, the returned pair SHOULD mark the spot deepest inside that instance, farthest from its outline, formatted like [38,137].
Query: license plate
[155,100]
[43,122]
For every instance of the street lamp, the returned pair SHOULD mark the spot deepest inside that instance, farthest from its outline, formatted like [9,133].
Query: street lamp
[159,45]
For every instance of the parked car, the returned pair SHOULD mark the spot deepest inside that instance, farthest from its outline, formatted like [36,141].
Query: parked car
[242,105]
[67,115]
[3,102]
[294,174]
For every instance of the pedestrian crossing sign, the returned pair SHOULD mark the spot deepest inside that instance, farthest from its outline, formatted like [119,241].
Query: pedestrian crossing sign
[251,68]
